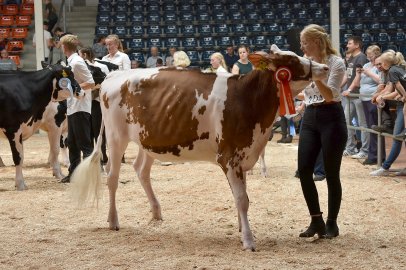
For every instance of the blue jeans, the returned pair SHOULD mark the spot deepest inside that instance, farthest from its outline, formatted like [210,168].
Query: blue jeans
[396,145]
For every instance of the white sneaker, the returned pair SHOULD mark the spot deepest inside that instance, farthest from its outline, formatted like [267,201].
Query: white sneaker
[166,163]
[380,172]
[347,153]
[360,155]
[401,172]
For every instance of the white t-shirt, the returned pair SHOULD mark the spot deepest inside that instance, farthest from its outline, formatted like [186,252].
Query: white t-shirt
[47,36]
[82,75]
[336,74]
[120,59]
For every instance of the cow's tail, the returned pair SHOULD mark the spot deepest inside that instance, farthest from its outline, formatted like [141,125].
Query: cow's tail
[86,183]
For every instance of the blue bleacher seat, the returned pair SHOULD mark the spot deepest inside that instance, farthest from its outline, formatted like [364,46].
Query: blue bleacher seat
[154,42]
[312,4]
[265,6]
[281,6]
[402,49]
[137,56]
[239,29]
[297,5]
[136,8]
[383,37]
[102,30]
[225,41]
[302,15]
[193,56]
[120,18]
[135,44]
[171,30]
[104,7]
[172,42]
[137,18]
[205,30]
[206,56]
[351,14]
[190,42]
[121,7]
[360,4]
[375,26]
[400,13]
[366,38]
[269,16]
[219,16]
[248,6]
[153,8]
[186,8]
[255,28]
[400,37]
[345,4]
[103,19]
[384,14]
[217,7]
[368,13]
[236,16]
[242,40]
[169,7]
[186,17]
[222,29]
[188,30]
[253,16]
[286,15]
[170,17]
[153,18]
[289,26]
[201,7]
[344,37]
[120,31]
[386,46]
[273,28]
[207,42]
[260,41]
[154,30]
[327,27]
[279,40]
[394,3]
[319,14]
[233,6]
[136,31]
[359,26]
[203,16]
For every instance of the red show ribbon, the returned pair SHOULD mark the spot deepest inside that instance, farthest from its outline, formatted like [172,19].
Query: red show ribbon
[283,76]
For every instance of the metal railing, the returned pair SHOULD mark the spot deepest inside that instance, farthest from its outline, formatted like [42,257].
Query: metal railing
[380,134]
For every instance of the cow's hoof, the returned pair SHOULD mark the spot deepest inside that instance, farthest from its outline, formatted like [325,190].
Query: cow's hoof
[248,247]
[21,187]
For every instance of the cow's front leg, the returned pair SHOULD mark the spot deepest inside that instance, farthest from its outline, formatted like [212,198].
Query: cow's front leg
[262,164]
[16,144]
[236,178]
[142,166]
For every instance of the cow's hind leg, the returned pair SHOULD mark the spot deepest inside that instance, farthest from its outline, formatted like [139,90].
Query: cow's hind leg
[142,166]
[236,178]
[2,163]
[112,181]
[15,140]
[264,171]
[54,142]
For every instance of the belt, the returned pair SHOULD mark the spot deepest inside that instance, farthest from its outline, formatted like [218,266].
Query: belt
[324,103]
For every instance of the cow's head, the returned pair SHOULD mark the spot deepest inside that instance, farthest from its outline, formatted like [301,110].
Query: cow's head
[302,69]
[97,74]
[64,81]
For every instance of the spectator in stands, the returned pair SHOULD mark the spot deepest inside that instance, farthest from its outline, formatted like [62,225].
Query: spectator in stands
[169,59]
[395,64]
[230,57]
[58,34]
[5,62]
[369,77]
[135,64]
[48,43]
[323,128]
[79,108]
[99,48]
[243,65]
[159,62]
[116,55]
[50,15]
[181,59]
[151,61]
[218,65]
[353,106]
[3,43]
[96,114]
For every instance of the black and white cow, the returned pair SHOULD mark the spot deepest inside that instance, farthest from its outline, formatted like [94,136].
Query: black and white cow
[24,97]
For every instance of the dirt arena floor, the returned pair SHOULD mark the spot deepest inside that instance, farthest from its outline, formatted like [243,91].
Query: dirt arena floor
[42,229]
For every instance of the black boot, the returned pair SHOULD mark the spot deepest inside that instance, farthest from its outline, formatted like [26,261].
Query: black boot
[287,139]
[331,228]
[316,226]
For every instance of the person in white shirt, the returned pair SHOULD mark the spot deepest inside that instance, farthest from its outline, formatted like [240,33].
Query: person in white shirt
[48,43]
[79,108]
[181,59]
[87,54]
[218,64]
[116,54]
[151,61]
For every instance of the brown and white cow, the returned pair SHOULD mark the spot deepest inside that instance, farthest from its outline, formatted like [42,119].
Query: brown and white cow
[179,115]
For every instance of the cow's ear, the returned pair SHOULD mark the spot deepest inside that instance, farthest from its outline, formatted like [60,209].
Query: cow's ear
[260,60]
[44,64]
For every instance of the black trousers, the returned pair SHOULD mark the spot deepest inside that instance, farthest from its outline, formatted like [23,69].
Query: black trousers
[323,127]
[96,125]
[79,138]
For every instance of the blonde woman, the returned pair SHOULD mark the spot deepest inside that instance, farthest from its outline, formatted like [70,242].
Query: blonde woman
[218,64]
[181,59]
[394,63]
[243,65]
[116,54]
[323,128]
